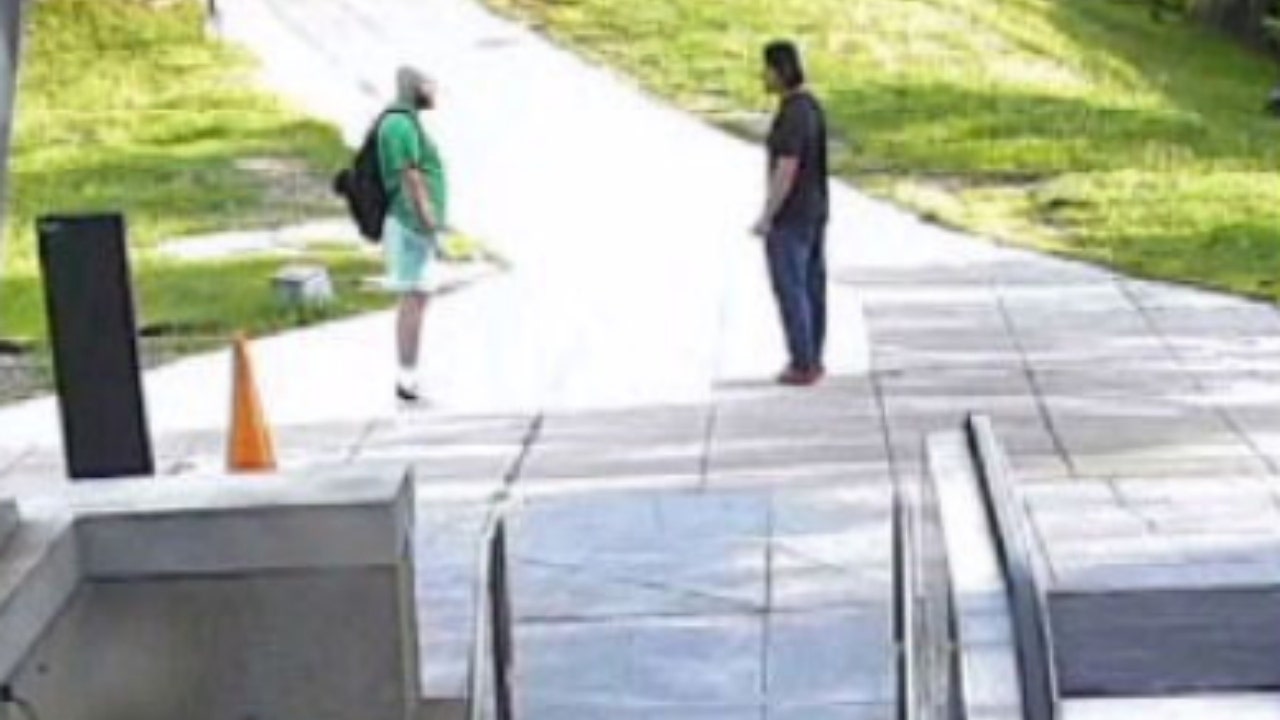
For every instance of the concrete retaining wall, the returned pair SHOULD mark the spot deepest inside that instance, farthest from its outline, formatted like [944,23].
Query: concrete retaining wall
[259,599]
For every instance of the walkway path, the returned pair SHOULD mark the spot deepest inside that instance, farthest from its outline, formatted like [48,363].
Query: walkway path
[725,560]
[694,540]
[636,282]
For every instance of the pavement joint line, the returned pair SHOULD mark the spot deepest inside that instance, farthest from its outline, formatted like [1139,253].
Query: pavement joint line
[1126,289]
[531,437]
[1037,392]
[346,8]
[17,460]
[819,565]
[859,607]
[627,579]
[298,30]
[708,444]
[549,487]
[1134,509]
[645,617]
[1274,493]
[766,631]
[358,446]
[604,619]
[890,447]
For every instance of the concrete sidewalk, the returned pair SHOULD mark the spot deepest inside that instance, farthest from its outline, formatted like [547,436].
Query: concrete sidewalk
[599,192]
[694,542]
[729,559]
[636,284]
[636,281]
[635,278]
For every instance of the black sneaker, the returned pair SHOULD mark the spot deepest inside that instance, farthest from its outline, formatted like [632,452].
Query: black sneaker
[407,393]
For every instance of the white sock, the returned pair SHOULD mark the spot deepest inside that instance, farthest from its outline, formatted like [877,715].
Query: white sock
[408,378]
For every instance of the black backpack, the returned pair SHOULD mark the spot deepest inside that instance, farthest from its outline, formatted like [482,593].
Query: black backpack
[361,185]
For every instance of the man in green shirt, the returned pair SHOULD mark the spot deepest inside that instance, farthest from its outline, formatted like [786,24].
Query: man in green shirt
[414,177]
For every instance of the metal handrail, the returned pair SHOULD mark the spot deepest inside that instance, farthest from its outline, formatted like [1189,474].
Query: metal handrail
[493,632]
[493,647]
[1025,575]
[930,671]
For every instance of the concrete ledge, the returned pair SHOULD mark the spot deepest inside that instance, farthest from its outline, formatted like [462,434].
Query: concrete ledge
[9,519]
[242,527]
[39,573]
[1244,706]
[984,623]
[233,597]
[1163,586]
[1150,642]
[345,486]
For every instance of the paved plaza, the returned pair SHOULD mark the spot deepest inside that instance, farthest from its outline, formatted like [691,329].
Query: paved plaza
[689,540]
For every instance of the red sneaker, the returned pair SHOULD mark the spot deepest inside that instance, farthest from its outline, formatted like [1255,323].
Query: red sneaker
[799,378]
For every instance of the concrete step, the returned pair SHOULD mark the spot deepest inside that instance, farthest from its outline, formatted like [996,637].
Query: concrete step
[1162,587]
[1237,706]
[442,709]
[705,605]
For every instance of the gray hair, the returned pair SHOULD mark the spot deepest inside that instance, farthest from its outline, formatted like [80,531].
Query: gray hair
[408,81]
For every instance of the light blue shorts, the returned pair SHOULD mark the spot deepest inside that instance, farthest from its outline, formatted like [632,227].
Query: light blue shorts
[408,254]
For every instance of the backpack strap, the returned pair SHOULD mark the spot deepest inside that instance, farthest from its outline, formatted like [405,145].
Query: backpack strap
[377,125]
[377,131]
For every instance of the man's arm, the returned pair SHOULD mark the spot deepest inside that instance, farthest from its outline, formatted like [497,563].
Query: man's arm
[781,183]
[402,143]
[788,144]
[415,183]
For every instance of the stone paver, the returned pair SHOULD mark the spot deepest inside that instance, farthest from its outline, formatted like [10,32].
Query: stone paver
[9,456]
[678,660]
[1142,509]
[718,599]
[832,656]
[701,602]
[840,711]
[1096,385]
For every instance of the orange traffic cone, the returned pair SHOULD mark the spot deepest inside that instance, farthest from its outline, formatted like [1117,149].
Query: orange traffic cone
[250,448]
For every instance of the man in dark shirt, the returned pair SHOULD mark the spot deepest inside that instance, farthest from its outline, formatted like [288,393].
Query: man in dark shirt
[794,221]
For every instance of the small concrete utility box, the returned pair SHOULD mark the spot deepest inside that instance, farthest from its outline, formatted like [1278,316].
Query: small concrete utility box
[303,286]
[221,599]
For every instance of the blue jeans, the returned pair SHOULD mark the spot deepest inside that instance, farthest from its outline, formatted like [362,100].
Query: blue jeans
[798,271]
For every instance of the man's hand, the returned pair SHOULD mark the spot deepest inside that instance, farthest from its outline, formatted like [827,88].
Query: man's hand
[417,185]
[781,181]
[763,227]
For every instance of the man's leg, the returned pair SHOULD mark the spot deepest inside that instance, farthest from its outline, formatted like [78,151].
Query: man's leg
[413,306]
[407,256]
[817,292]
[787,274]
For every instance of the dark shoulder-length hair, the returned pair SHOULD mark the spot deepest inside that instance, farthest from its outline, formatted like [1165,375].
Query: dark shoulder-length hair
[783,57]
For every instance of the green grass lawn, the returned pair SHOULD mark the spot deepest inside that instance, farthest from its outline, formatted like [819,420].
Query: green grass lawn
[127,105]
[1077,126]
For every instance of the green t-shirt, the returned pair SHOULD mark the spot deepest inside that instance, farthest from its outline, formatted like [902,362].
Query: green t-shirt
[402,143]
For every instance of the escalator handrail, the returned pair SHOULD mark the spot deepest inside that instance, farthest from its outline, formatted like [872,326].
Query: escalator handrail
[1023,569]
[492,652]
[943,698]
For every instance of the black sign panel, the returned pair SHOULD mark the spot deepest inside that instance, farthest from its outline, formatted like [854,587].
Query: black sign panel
[89,297]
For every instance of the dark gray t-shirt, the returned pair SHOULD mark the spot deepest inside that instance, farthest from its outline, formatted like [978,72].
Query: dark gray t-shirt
[800,131]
